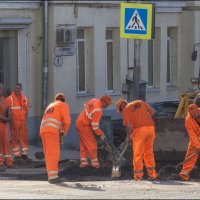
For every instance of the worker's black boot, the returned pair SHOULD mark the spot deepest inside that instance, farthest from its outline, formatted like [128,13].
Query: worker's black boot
[2,168]
[26,158]
[18,160]
[57,180]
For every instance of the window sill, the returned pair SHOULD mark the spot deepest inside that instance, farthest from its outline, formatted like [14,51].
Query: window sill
[113,93]
[171,87]
[85,94]
[153,89]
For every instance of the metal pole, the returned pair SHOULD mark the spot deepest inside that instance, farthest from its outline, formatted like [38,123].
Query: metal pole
[45,56]
[135,92]
[136,70]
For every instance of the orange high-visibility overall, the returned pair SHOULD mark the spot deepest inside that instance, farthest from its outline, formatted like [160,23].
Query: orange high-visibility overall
[137,116]
[5,155]
[87,124]
[193,130]
[19,130]
[55,119]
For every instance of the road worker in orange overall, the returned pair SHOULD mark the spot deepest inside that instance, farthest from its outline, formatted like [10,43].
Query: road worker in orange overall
[18,104]
[55,124]
[192,124]
[87,125]
[137,117]
[5,156]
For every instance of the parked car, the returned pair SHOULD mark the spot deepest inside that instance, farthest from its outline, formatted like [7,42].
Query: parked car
[165,109]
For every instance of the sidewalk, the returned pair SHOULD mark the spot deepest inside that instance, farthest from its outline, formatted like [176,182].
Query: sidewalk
[30,170]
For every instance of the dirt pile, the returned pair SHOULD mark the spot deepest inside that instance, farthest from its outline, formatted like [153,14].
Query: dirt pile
[70,170]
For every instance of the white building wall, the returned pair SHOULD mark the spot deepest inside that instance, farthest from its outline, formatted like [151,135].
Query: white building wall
[99,17]
[164,20]
[64,77]
[29,54]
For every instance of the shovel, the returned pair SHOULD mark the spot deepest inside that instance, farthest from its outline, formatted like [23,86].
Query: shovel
[116,169]
[167,172]
[187,159]
[113,152]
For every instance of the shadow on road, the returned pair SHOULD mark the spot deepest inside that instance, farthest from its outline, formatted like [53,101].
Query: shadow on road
[81,187]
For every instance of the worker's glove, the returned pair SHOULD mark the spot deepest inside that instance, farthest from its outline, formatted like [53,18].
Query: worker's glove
[102,137]
[61,136]
[198,150]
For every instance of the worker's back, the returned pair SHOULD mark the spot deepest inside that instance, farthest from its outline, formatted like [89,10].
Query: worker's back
[137,114]
[55,118]
[92,106]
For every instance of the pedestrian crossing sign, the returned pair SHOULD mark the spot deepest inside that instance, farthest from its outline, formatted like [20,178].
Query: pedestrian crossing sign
[137,21]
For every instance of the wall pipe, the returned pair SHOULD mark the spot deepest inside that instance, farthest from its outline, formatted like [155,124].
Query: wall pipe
[45,56]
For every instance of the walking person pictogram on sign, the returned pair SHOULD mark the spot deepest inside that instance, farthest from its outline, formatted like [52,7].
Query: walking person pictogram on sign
[135,22]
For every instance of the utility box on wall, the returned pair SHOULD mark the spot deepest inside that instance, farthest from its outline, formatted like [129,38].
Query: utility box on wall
[65,40]
[129,85]
[143,86]
[65,35]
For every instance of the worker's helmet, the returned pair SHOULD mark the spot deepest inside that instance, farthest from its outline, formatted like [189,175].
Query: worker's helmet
[119,103]
[106,99]
[60,96]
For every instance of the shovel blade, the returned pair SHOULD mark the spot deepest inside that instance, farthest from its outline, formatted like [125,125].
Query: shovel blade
[116,171]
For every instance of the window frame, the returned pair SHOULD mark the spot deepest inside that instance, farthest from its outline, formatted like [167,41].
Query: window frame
[113,72]
[77,63]
[169,63]
[152,62]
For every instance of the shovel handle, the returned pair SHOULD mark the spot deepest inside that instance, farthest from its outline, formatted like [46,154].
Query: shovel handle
[124,150]
[187,159]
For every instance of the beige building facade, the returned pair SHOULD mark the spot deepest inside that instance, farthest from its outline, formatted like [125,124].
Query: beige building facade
[85,56]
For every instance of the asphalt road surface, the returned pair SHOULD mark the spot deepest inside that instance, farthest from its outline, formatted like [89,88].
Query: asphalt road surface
[30,182]
[123,189]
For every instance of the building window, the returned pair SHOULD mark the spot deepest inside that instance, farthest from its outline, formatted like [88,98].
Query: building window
[85,63]
[150,63]
[113,60]
[109,68]
[81,61]
[154,60]
[172,56]
[168,58]
[8,59]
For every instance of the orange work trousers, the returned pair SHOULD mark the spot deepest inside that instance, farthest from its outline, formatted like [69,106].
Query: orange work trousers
[5,155]
[51,146]
[88,143]
[142,144]
[19,135]
[188,166]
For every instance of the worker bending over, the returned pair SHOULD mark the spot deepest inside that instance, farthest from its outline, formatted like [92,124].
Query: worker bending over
[87,125]
[5,156]
[192,124]
[55,124]
[18,105]
[137,117]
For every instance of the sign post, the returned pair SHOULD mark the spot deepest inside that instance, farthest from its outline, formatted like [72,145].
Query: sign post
[136,22]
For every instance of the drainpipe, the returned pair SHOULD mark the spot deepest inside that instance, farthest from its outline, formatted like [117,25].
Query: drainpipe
[45,55]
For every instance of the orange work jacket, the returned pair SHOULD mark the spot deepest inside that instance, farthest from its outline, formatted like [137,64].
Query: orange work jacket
[56,118]
[91,115]
[136,114]
[3,108]
[193,130]
[18,106]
